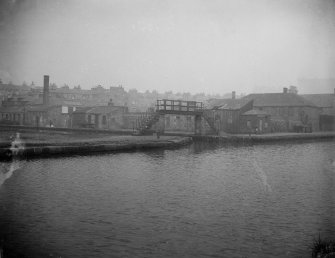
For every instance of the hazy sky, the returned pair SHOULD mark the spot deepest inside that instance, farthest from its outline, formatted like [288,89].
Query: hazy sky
[212,46]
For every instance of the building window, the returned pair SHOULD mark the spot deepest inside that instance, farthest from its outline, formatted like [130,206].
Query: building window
[249,124]
[104,120]
[65,110]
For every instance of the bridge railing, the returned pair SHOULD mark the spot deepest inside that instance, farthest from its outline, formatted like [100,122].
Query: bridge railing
[179,105]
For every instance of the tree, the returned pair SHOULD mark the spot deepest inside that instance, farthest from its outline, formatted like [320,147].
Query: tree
[293,89]
[53,86]
[186,96]
[65,86]
[132,92]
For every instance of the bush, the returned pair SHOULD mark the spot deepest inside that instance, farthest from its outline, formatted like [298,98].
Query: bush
[323,248]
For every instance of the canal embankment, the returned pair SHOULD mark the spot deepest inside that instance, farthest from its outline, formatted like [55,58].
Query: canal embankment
[73,148]
[265,138]
[39,143]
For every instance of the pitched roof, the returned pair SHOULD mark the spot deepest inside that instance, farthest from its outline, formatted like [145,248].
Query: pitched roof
[256,112]
[321,100]
[279,100]
[55,102]
[100,109]
[11,87]
[14,109]
[227,103]
[81,110]
[39,108]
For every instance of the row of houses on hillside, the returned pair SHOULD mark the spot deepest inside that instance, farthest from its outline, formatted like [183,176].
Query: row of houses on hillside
[50,111]
[8,90]
[95,96]
[262,113]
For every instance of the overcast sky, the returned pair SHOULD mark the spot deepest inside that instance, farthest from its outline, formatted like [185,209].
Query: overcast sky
[192,46]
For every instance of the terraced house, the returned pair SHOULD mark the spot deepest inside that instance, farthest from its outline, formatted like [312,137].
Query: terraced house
[100,117]
[326,102]
[227,114]
[288,111]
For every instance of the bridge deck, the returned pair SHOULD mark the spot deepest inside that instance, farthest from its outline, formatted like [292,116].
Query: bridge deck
[166,106]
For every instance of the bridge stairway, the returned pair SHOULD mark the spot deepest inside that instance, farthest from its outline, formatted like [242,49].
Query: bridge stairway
[209,118]
[145,122]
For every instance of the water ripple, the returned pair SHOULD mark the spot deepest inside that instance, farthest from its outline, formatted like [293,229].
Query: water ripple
[251,201]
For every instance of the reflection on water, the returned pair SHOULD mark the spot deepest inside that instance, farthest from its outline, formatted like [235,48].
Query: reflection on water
[224,201]
[7,169]
[261,174]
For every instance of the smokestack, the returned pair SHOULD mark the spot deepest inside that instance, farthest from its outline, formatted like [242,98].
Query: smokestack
[46,90]
[233,95]
[285,90]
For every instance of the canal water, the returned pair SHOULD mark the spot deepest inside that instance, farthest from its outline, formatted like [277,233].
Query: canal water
[199,201]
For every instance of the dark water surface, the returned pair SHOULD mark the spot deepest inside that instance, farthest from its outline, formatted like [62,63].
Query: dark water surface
[200,201]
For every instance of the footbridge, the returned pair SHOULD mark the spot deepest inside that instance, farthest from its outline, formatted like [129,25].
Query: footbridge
[176,107]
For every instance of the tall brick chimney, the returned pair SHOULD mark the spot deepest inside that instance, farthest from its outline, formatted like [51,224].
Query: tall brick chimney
[233,95]
[285,90]
[46,90]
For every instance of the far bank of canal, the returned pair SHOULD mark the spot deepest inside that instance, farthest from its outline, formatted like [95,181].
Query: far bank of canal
[39,143]
[262,138]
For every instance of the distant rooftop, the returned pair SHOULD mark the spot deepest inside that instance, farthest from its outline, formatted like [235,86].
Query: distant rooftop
[55,102]
[321,100]
[14,109]
[279,100]
[256,112]
[10,87]
[100,109]
[227,103]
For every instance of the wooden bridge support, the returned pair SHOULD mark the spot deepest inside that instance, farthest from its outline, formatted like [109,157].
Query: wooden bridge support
[161,123]
[197,124]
